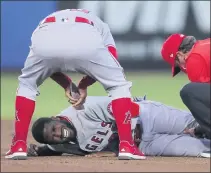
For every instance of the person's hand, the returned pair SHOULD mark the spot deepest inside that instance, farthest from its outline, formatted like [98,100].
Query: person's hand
[82,97]
[32,150]
[190,132]
[72,93]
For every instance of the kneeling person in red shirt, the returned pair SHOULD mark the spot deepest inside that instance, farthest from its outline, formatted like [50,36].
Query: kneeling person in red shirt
[193,57]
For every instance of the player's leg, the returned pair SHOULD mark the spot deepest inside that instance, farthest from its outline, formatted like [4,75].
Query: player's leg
[196,96]
[173,121]
[175,145]
[180,145]
[104,68]
[36,70]
[86,53]
[111,76]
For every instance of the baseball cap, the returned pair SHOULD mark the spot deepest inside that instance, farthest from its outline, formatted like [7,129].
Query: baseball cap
[170,48]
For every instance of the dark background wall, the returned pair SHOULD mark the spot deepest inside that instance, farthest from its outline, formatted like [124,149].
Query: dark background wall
[18,20]
[139,27]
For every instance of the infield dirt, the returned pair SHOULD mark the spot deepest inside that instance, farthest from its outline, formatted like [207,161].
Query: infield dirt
[94,164]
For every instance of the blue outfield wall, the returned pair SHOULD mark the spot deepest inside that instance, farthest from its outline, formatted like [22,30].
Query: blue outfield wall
[18,20]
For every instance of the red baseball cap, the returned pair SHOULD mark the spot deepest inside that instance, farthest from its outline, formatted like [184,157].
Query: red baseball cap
[170,48]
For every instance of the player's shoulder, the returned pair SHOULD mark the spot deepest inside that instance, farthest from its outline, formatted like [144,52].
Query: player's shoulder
[68,112]
[97,99]
[152,103]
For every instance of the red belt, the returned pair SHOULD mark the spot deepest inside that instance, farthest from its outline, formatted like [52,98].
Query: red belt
[77,19]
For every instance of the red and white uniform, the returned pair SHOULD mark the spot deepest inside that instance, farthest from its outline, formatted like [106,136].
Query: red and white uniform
[73,41]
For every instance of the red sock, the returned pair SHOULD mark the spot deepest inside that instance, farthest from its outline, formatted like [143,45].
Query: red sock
[121,111]
[134,109]
[24,111]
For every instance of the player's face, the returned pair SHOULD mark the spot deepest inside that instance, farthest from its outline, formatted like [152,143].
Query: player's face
[180,59]
[58,132]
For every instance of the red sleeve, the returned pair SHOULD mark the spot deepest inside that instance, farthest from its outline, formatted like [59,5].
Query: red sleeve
[113,51]
[197,69]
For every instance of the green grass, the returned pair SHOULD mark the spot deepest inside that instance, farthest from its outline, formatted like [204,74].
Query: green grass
[156,85]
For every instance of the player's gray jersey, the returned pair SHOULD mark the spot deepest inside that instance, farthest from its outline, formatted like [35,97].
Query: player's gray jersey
[102,27]
[95,123]
[162,127]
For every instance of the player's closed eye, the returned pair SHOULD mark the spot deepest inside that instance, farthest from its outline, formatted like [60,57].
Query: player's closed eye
[53,129]
[177,61]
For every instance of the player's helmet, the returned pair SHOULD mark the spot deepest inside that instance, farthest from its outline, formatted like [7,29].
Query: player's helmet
[37,129]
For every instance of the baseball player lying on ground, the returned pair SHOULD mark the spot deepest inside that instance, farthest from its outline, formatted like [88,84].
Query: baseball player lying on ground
[159,130]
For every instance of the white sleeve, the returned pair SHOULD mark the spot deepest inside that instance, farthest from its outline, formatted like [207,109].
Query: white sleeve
[107,36]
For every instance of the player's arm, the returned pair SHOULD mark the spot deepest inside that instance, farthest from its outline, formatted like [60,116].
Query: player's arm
[69,148]
[63,80]
[42,150]
[55,150]
[85,82]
